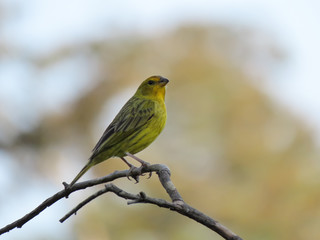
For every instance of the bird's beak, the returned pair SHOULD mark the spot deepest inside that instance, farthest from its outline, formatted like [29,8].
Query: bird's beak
[163,81]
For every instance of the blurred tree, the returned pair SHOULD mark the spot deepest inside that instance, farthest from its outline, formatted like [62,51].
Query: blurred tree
[233,152]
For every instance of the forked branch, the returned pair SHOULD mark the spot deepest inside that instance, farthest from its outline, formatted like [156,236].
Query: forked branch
[177,204]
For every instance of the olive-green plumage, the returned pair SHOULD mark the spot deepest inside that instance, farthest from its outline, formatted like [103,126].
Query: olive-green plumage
[135,127]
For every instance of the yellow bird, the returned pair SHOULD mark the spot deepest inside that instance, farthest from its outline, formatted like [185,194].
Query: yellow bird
[135,127]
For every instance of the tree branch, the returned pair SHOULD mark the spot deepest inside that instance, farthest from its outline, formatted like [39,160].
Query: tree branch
[184,209]
[177,205]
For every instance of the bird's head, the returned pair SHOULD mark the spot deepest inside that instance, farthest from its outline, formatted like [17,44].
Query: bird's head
[153,87]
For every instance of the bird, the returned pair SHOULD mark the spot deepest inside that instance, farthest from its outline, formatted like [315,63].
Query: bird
[135,127]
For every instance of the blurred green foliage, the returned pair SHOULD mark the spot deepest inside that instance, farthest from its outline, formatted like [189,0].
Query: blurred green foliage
[234,153]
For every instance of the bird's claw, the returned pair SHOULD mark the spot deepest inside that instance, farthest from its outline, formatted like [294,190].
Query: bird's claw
[144,165]
[135,172]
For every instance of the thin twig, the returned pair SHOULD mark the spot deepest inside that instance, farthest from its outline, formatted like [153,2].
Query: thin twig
[80,205]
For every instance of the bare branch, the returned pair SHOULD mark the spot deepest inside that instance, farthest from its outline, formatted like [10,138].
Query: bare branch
[177,205]
[89,199]
[163,172]
[78,186]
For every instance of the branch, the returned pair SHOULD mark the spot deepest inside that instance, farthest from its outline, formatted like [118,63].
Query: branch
[78,186]
[163,172]
[184,209]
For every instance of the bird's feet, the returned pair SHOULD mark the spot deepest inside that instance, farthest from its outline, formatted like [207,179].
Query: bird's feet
[134,171]
[143,163]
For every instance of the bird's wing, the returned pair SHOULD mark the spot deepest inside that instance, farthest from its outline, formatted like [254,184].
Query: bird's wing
[133,115]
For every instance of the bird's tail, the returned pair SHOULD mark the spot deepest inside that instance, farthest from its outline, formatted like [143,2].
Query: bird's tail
[83,171]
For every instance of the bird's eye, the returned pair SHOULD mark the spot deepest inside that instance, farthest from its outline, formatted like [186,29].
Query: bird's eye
[150,82]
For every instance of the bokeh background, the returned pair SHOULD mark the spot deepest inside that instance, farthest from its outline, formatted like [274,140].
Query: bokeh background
[242,136]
